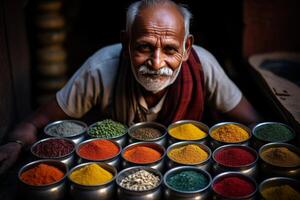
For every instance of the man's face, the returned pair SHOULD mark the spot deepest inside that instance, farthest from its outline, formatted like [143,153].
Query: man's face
[157,47]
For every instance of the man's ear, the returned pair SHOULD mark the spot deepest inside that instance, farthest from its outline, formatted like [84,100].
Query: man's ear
[188,46]
[125,42]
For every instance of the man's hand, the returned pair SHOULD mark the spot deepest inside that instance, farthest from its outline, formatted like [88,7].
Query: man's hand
[9,154]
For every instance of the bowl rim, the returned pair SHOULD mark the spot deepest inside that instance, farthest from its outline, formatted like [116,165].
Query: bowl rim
[202,126]
[291,147]
[98,160]
[185,143]
[81,123]
[254,129]
[244,127]
[185,168]
[155,125]
[249,149]
[138,168]
[106,166]
[111,138]
[53,138]
[55,163]
[147,144]
[234,174]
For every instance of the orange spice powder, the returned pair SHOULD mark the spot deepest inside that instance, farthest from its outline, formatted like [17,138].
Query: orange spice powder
[142,154]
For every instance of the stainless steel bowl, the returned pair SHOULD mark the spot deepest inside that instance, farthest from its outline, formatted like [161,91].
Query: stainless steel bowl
[205,164]
[114,161]
[104,191]
[126,194]
[69,159]
[217,196]
[256,142]
[122,139]
[216,143]
[278,181]
[54,191]
[198,124]
[171,193]
[76,137]
[162,140]
[250,169]
[159,164]
[269,170]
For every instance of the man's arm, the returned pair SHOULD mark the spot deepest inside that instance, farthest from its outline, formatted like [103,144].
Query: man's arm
[26,133]
[244,113]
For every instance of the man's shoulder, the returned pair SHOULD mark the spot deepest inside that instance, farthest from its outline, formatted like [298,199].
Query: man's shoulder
[203,54]
[110,53]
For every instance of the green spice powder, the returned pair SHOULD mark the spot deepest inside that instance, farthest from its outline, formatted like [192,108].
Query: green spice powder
[274,133]
[187,181]
[107,129]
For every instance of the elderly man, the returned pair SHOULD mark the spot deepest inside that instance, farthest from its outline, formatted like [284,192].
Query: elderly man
[157,74]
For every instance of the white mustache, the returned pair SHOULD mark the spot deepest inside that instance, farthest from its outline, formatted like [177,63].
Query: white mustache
[166,71]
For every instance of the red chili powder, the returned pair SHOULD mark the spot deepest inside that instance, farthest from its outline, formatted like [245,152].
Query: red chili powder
[233,187]
[234,157]
[142,154]
[98,150]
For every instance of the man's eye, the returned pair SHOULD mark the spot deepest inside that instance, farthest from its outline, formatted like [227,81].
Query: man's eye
[170,50]
[143,47]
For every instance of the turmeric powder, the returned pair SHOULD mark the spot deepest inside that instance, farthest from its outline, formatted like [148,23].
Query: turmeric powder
[280,192]
[187,131]
[91,174]
[188,154]
[230,133]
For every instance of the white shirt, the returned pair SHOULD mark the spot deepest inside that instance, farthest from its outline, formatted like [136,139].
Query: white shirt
[93,84]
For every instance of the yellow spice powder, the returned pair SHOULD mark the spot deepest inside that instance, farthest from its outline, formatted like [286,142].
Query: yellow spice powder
[280,193]
[230,133]
[91,174]
[188,154]
[187,132]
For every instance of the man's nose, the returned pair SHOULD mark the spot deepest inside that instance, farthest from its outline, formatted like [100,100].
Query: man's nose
[157,60]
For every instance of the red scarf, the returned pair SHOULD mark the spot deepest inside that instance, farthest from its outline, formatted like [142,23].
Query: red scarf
[184,100]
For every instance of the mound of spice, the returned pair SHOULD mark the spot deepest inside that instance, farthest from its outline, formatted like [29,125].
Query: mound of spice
[65,129]
[42,174]
[146,133]
[187,131]
[234,156]
[142,154]
[188,154]
[187,180]
[273,133]
[91,174]
[280,192]
[53,148]
[140,181]
[233,187]
[281,156]
[98,150]
[229,133]
[107,129]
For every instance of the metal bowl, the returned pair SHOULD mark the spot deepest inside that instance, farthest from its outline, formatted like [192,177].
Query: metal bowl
[69,159]
[159,164]
[76,137]
[278,181]
[216,143]
[53,191]
[171,193]
[162,140]
[126,194]
[205,164]
[122,139]
[217,196]
[257,142]
[269,170]
[113,161]
[250,169]
[198,124]
[104,191]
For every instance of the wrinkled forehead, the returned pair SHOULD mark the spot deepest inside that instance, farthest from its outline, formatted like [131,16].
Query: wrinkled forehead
[160,18]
